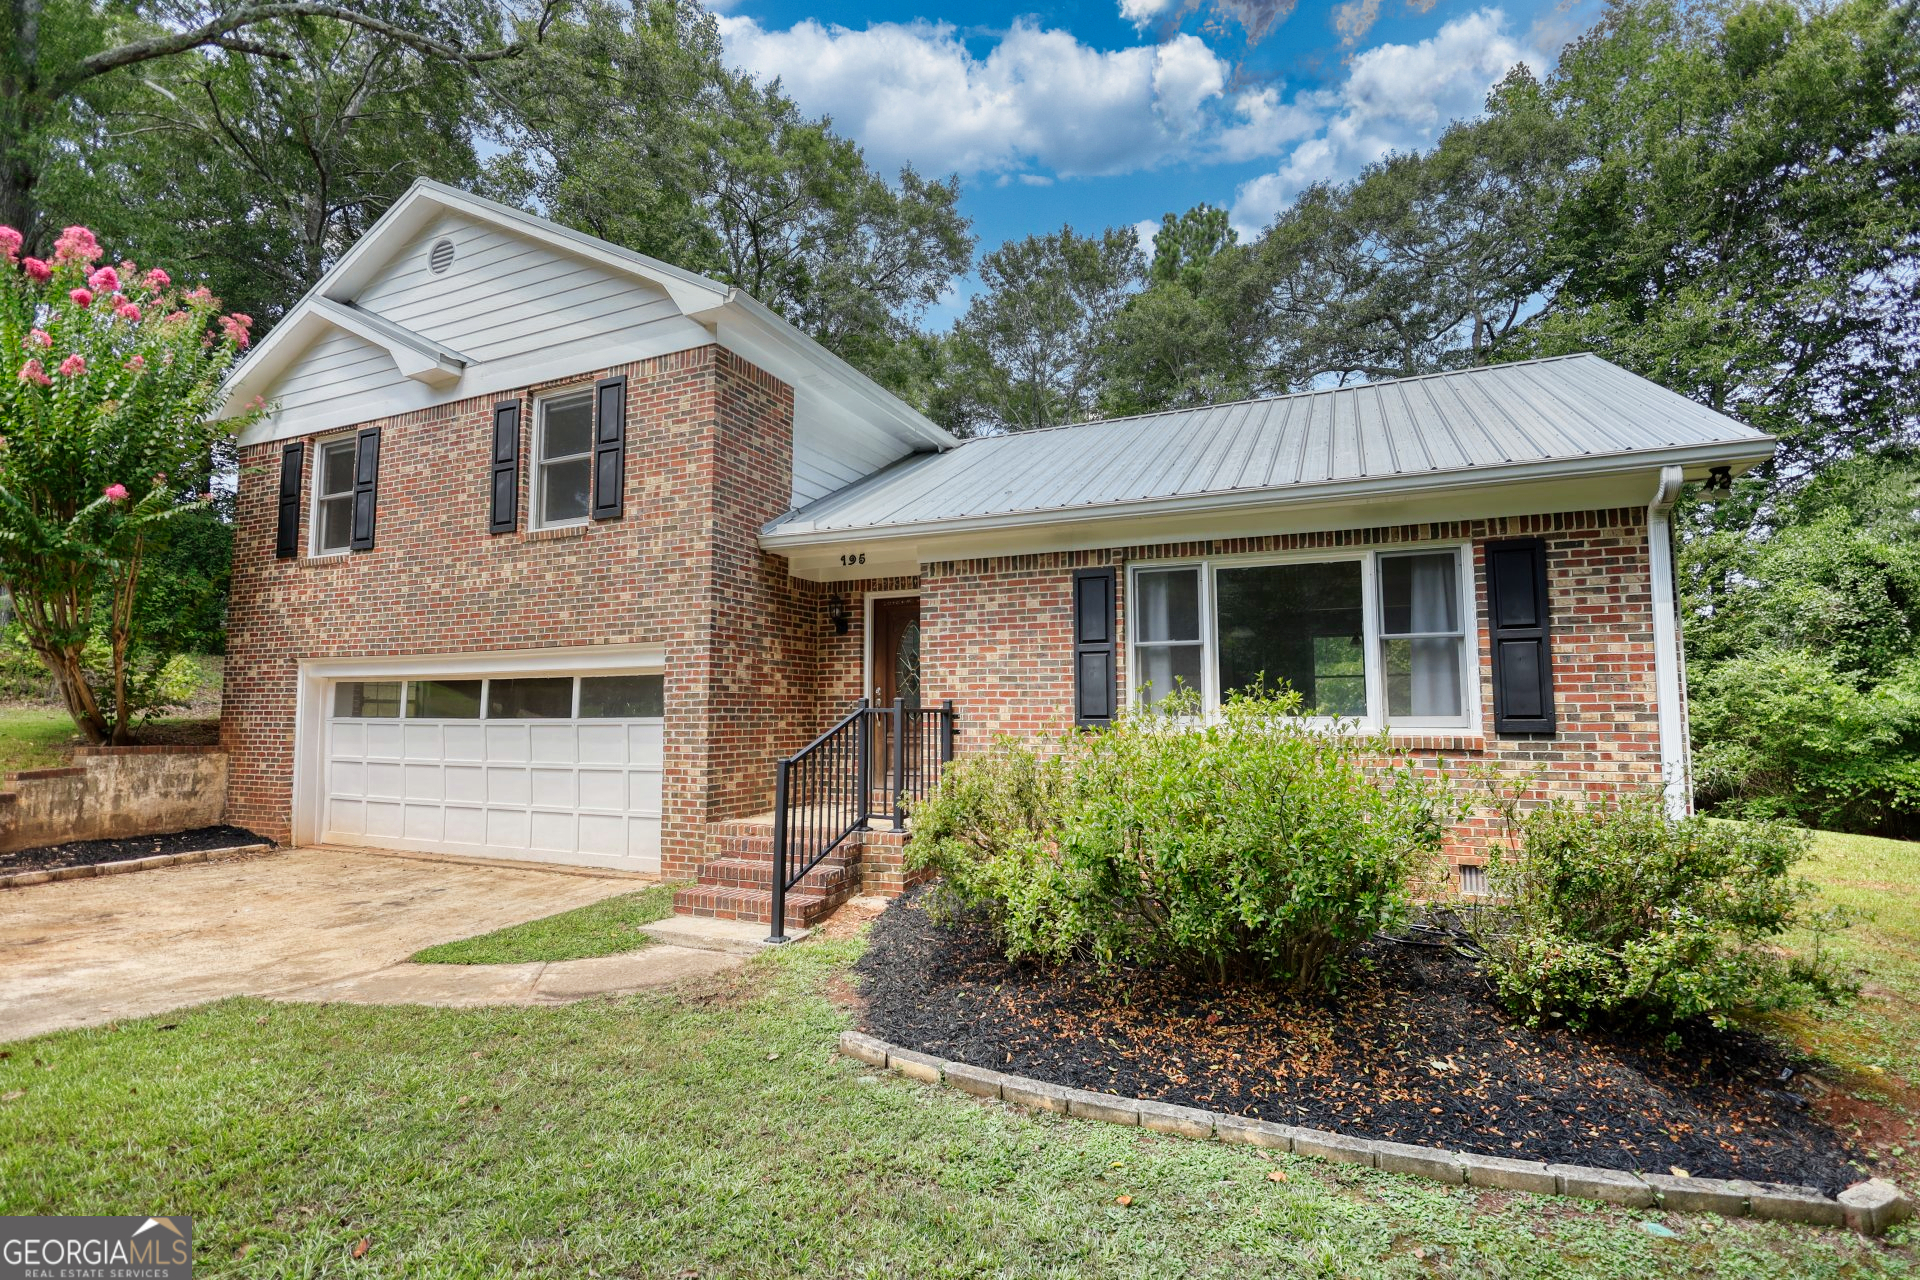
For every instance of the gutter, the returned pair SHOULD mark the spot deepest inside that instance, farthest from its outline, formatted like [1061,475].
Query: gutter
[1676,756]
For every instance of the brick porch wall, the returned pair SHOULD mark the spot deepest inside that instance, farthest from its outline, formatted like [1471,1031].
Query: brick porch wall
[708,456]
[997,638]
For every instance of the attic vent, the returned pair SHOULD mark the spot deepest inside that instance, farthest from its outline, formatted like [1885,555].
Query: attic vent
[440,257]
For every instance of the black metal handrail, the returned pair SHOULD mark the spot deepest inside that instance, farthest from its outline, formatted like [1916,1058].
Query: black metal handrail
[831,788]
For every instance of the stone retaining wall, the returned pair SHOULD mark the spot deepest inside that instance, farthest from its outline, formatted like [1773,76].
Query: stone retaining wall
[111,793]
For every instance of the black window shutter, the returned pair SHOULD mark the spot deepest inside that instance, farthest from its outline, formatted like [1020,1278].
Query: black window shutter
[1095,698]
[506,467]
[1517,629]
[286,544]
[609,448]
[366,487]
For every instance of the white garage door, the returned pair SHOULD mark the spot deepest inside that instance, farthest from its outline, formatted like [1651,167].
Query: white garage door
[553,768]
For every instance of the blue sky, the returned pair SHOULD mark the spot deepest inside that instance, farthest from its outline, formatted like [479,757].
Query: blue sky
[1112,112]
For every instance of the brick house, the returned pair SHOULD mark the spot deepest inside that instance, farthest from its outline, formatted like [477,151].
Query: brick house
[547,550]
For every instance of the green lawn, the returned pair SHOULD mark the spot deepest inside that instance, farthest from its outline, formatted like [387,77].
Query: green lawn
[603,928]
[714,1132]
[34,737]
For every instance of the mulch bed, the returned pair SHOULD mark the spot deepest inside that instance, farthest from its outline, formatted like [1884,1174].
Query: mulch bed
[80,853]
[1414,1051]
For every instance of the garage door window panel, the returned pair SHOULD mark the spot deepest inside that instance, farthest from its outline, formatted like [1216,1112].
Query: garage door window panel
[443,699]
[366,699]
[535,698]
[622,697]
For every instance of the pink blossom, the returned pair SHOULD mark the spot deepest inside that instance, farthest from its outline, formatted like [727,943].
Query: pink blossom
[115,493]
[73,366]
[10,242]
[37,271]
[202,294]
[175,318]
[235,326]
[158,279]
[76,244]
[128,311]
[81,297]
[40,337]
[137,363]
[105,280]
[160,479]
[32,372]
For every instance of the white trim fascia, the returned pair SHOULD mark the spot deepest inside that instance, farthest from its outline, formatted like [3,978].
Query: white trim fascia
[745,325]
[1739,453]
[1676,758]
[421,359]
[572,660]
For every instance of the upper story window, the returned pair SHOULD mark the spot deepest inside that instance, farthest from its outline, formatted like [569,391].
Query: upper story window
[1375,637]
[333,496]
[563,459]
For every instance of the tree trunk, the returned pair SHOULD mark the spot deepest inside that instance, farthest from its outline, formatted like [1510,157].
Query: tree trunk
[71,680]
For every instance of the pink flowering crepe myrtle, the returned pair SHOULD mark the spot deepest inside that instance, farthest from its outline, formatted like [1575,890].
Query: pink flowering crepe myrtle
[73,366]
[115,493]
[37,271]
[77,244]
[32,371]
[10,242]
[105,280]
[81,297]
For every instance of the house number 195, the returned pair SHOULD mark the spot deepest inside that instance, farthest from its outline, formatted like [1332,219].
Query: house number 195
[858,557]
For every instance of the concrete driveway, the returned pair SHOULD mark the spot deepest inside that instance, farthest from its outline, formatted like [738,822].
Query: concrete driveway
[81,952]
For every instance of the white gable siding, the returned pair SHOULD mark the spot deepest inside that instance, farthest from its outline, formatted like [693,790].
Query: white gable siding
[521,312]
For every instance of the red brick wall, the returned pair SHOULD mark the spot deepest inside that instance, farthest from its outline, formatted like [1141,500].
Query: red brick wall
[708,460]
[998,640]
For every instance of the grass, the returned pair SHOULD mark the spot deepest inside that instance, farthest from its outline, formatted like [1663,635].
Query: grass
[712,1131]
[33,737]
[603,928]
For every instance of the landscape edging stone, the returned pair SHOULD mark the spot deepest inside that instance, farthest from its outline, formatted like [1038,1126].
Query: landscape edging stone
[1867,1207]
[87,871]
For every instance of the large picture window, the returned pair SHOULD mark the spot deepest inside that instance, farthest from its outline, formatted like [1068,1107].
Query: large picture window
[1377,637]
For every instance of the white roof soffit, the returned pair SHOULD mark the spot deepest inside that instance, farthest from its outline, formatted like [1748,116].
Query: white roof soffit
[777,346]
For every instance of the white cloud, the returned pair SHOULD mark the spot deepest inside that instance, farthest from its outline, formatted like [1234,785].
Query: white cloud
[1142,13]
[1266,125]
[1039,98]
[1146,231]
[1397,97]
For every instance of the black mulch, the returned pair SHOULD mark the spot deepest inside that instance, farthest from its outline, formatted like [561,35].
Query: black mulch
[1415,1051]
[80,853]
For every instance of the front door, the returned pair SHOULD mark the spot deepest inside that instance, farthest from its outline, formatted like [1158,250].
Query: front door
[896,651]
[894,666]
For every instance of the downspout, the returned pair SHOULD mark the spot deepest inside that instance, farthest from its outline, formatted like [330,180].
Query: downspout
[1676,763]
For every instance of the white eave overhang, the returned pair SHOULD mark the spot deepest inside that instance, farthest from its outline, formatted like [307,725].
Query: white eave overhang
[1600,480]
[418,358]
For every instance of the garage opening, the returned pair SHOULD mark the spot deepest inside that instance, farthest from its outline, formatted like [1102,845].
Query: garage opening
[553,768]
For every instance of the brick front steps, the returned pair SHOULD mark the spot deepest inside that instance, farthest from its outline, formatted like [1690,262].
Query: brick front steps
[1867,1207]
[737,882]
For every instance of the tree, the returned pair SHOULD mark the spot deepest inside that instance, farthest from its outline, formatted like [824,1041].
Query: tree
[1030,351]
[630,127]
[59,52]
[107,413]
[259,172]
[1743,224]
[1425,261]
[1195,335]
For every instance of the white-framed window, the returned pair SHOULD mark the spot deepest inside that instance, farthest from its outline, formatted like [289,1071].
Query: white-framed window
[333,496]
[623,696]
[1378,637]
[563,459]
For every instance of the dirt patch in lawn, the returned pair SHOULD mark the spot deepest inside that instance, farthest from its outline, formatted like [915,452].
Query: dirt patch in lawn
[81,853]
[1415,1051]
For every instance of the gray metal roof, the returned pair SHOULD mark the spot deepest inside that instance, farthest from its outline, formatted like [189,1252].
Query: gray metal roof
[1540,412]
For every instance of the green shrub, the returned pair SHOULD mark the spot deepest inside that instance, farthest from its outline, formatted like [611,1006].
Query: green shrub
[1254,843]
[1613,913]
